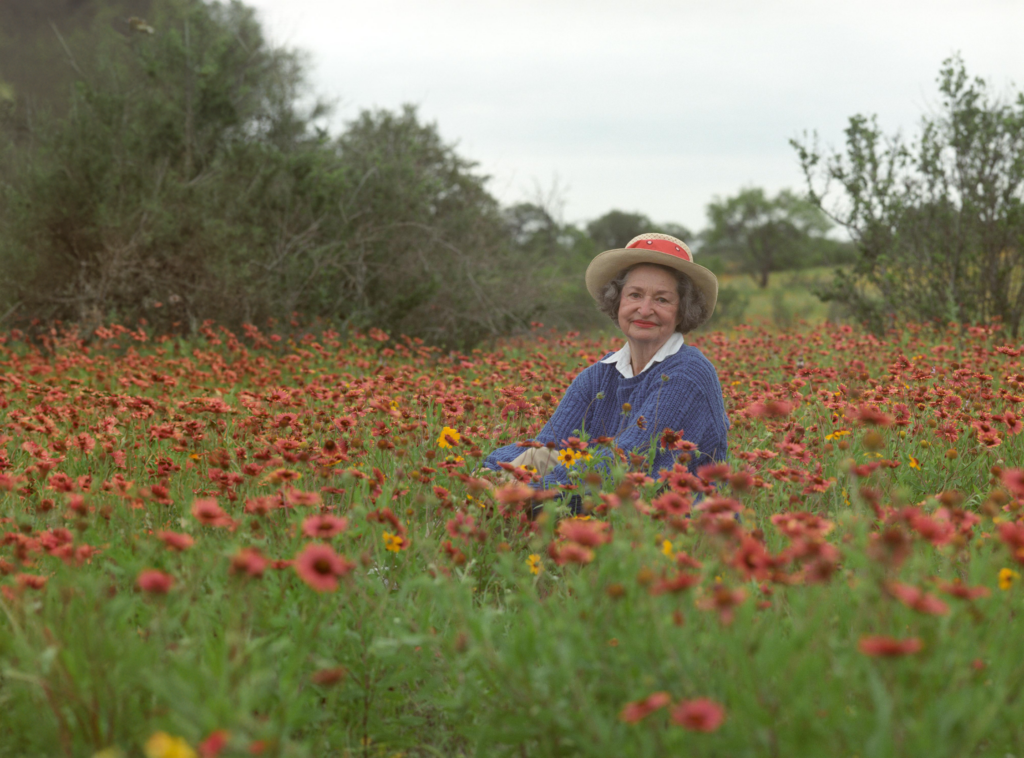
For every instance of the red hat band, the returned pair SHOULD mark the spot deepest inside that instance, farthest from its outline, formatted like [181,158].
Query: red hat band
[662,246]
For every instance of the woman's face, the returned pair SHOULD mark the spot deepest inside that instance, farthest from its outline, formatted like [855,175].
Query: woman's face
[649,306]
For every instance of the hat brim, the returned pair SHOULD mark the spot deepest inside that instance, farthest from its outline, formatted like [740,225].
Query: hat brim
[611,263]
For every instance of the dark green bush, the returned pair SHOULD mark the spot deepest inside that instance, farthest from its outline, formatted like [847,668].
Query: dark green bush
[182,181]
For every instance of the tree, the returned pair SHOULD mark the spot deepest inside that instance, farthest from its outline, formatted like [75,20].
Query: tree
[938,221]
[179,141]
[183,180]
[763,234]
[616,228]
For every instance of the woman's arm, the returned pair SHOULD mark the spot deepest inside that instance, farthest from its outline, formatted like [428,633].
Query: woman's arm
[564,422]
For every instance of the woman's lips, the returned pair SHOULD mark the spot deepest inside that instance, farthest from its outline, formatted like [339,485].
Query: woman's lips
[644,323]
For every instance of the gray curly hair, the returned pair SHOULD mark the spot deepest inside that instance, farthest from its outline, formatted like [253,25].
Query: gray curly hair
[693,306]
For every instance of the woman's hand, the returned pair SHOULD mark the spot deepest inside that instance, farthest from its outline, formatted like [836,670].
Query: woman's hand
[542,459]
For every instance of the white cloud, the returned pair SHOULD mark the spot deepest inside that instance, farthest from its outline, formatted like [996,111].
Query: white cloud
[647,105]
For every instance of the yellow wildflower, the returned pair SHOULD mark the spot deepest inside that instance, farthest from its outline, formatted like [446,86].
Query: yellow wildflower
[666,548]
[448,437]
[914,463]
[836,434]
[392,542]
[109,752]
[567,457]
[533,561]
[163,745]
[1007,577]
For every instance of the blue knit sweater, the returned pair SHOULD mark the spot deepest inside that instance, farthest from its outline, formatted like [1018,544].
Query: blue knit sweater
[681,392]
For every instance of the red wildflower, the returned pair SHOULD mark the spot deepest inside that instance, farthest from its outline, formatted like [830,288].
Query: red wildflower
[700,715]
[327,677]
[918,599]
[670,438]
[1013,535]
[320,567]
[386,516]
[678,583]
[324,526]
[175,540]
[212,745]
[801,524]
[570,552]
[640,709]
[586,533]
[31,581]
[712,472]
[962,591]
[282,475]
[249,561]
[751,559]
[869,415]
[671,504]
[462,527]
[261,506]
[298,498]
[741,481]
[719,505]
[889,647]
[771,409]
[1013,479]
[209,513]
[155,582]
[937,531]
[723,600]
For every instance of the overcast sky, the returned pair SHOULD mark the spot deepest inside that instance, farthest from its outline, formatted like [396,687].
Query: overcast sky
[648,105]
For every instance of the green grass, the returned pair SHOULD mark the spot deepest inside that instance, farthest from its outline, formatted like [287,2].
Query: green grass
[787,298]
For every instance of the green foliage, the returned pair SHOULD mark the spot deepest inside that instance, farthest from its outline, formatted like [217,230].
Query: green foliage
[187,183]
[730,308]
[939,221]
[762,234]
[615,228]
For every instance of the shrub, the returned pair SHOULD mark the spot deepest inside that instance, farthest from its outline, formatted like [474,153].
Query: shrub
[938,222]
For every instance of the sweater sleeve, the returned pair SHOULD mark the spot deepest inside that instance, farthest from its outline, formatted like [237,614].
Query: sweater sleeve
[564,423]
[690,399]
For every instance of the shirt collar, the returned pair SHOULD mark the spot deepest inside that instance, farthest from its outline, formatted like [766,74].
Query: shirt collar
[623,360]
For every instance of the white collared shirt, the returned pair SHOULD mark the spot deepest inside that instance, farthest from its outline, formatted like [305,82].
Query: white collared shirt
[623,360]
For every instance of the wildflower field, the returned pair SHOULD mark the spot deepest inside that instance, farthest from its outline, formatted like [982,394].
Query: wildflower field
[286,546]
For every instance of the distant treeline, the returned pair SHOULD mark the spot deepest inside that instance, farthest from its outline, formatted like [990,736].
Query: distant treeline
[161,161]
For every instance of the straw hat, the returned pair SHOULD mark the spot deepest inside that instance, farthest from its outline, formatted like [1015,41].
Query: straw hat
[651,248]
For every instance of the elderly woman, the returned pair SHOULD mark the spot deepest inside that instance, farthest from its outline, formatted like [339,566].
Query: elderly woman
[655,293]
